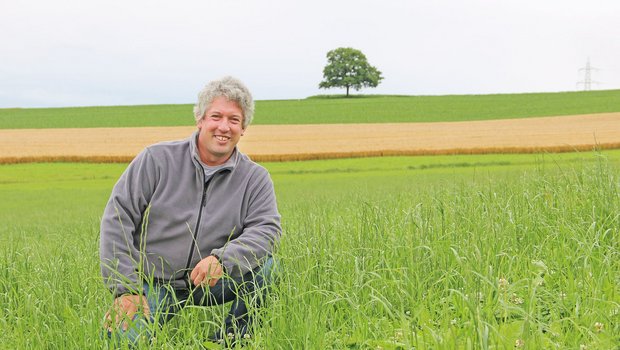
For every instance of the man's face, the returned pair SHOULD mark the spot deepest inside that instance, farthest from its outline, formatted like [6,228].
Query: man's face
[220,130]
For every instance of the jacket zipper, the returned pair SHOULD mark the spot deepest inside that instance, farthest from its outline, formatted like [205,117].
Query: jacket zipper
[203,202]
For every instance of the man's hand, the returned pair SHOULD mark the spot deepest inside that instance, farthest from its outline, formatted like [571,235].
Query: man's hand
[123,309]
[207,271]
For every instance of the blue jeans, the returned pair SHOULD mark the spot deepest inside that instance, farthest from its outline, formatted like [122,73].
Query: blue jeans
[164,302]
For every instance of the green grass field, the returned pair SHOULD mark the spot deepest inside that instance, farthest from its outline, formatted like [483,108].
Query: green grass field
[330,109]
[458,252]
[439,252]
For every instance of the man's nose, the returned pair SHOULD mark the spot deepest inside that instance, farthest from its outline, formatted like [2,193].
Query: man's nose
[223,125]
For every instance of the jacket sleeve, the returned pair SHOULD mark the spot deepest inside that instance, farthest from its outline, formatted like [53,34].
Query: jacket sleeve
[121,225]
[261,230]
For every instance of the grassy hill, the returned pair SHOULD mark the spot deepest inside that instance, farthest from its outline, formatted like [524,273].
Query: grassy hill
[331,109]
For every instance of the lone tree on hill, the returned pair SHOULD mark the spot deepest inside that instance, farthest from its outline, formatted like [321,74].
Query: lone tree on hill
[348,68]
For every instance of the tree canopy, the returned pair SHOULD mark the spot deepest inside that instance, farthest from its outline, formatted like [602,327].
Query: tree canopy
[348,68]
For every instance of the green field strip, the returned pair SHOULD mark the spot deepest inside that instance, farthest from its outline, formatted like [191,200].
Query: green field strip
[330,110]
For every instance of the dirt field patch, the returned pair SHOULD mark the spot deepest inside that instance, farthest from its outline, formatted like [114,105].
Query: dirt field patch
[299,142]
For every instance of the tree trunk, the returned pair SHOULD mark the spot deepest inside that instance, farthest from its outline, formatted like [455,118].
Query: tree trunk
[347,90]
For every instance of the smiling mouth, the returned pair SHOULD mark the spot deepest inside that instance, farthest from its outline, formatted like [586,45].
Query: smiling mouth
[222,138]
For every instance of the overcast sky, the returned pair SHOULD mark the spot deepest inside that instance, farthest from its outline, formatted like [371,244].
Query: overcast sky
[92,52]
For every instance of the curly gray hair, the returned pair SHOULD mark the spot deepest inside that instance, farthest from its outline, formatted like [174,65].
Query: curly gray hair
[231,88]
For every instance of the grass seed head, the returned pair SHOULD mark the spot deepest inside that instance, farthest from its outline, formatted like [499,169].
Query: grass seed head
[503,283]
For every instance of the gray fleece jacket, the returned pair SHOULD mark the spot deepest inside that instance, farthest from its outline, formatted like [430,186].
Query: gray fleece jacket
[162,218]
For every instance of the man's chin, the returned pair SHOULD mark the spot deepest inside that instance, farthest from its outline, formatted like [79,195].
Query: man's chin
[221,153]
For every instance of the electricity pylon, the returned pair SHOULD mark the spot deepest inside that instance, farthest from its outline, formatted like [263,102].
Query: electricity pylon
[587,79]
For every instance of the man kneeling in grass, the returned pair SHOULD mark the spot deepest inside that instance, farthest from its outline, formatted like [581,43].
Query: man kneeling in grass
[193,222]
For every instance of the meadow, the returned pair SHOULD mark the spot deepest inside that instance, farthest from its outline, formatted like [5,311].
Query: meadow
[427,252]
[331,109]
[458,252]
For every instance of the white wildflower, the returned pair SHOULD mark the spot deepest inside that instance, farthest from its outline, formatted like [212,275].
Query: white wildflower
[515,299]
[598,327]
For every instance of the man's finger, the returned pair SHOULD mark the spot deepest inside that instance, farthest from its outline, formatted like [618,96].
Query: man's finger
[107,321]
[126,318]
[213,281]
[117,319]
[199,278]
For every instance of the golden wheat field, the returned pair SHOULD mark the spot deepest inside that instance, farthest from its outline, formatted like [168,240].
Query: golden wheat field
[301,142]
